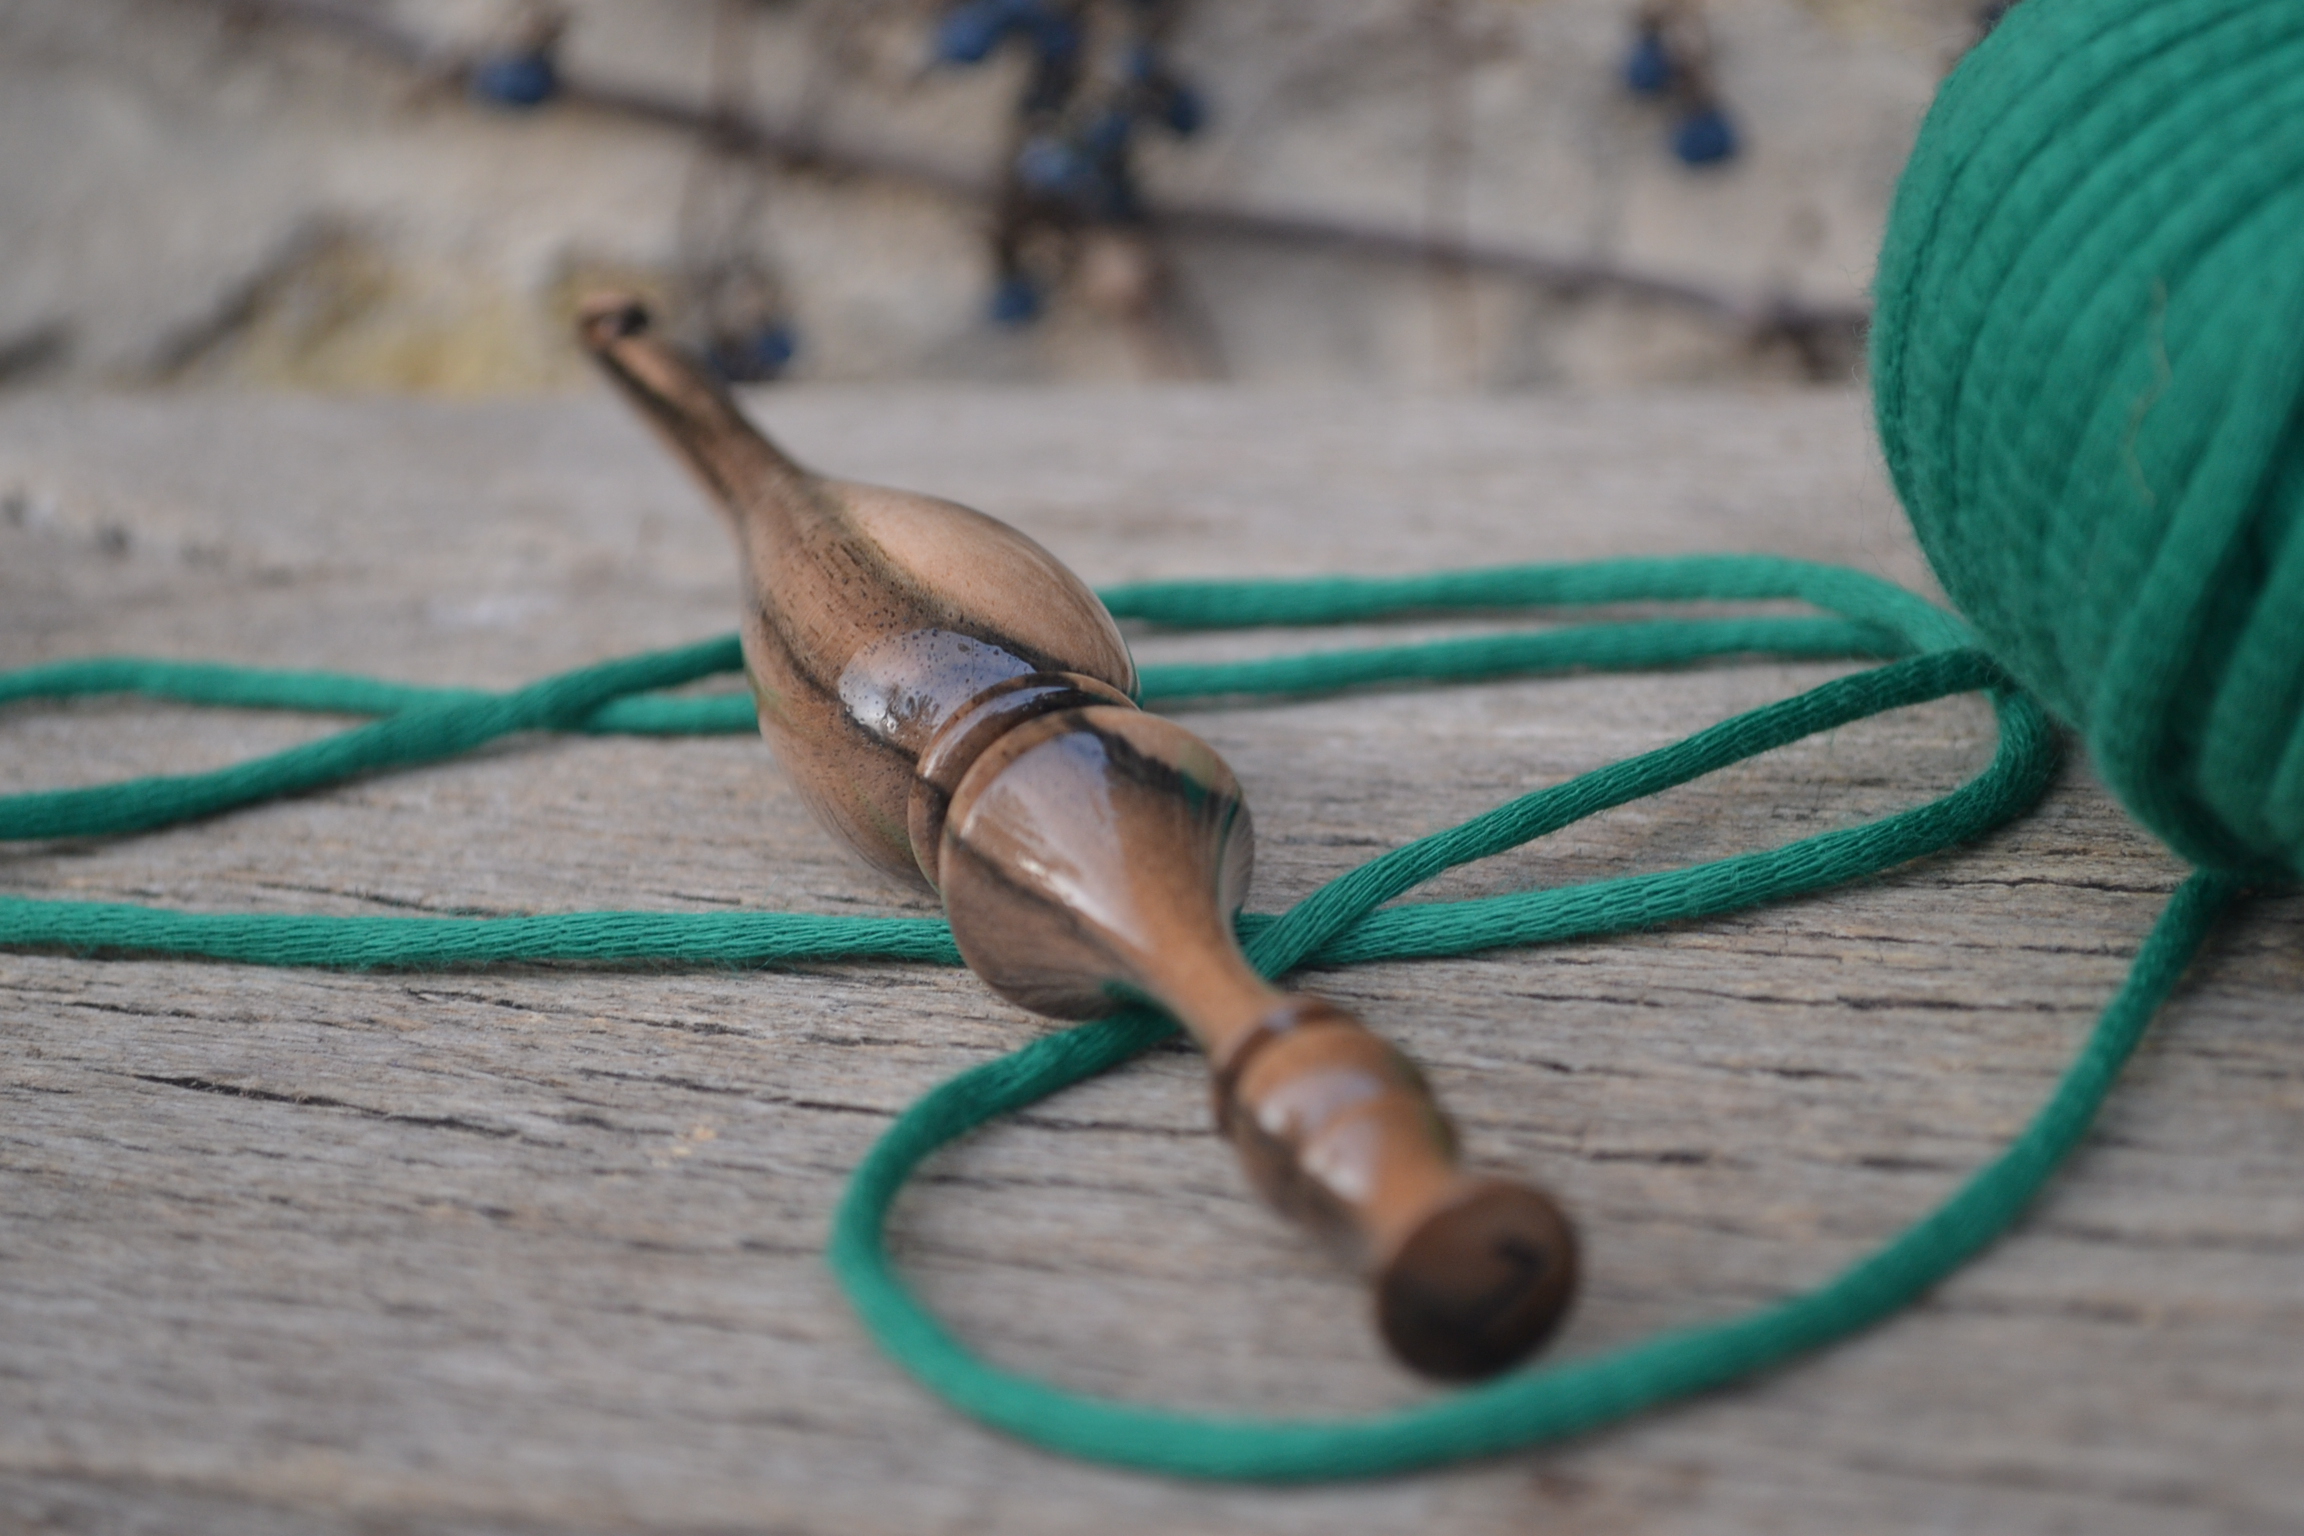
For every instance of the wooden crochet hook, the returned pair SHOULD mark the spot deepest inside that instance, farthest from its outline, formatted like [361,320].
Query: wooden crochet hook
[957,705]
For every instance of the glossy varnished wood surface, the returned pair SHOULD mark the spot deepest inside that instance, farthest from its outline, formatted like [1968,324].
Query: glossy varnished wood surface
[537,1250]
[873,617]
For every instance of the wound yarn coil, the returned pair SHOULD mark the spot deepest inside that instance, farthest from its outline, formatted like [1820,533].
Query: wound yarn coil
[2088,364]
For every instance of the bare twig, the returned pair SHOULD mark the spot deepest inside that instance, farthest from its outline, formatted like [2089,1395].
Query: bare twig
[1767,317]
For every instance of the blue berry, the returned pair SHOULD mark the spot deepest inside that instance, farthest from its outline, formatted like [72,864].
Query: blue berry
[517,81]
[1704,137]
[755,358]
[1184,112]
[1015,302]
[1053,168]
[968,33]
[1648,70]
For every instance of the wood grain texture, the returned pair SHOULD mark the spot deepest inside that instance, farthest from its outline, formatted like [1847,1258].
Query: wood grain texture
[537,1250]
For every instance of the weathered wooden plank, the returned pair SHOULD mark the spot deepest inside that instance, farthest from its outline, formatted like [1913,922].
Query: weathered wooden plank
[536,1249]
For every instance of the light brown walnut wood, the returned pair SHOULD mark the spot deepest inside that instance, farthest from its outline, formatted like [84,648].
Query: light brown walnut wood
[538,1250]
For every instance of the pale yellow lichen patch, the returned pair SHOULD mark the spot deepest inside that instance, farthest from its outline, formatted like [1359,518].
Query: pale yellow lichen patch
[350,315]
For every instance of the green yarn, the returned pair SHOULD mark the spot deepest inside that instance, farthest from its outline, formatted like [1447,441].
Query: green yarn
[2088,364]
[426,727]
[1346,922]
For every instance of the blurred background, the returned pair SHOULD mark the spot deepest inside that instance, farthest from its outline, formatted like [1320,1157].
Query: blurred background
[1445,195]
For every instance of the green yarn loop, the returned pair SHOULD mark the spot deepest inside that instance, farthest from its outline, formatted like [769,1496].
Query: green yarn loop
[2088,365]
[1529,1407]
[1349,921]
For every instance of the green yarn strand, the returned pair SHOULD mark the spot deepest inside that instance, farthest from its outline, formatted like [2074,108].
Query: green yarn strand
[1688,578]
[96,928]
[429,724]
[1324,913]
[2014,781]
[424,732]
[1632,647]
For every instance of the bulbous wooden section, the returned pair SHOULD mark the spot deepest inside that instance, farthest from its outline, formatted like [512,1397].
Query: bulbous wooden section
[1096,856]
[957,705]
[875,615]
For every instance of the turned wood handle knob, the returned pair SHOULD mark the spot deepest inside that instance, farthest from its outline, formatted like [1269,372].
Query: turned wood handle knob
[957,705]
[1336,1127]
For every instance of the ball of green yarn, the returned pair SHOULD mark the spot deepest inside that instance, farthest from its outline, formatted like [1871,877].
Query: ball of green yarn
[2088,364]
